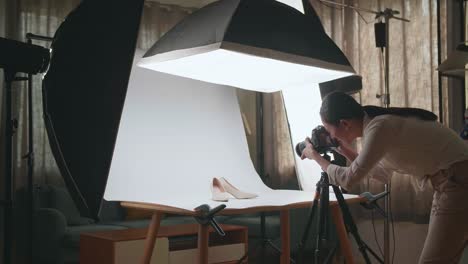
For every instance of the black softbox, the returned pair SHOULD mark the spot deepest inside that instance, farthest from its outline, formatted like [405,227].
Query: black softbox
[84,90]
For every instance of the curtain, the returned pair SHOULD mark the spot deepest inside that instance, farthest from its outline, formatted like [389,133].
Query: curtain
[279,155]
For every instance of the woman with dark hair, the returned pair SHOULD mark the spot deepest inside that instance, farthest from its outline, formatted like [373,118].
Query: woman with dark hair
[410,141]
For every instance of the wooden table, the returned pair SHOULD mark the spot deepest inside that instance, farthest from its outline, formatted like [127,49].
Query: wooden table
[159,210]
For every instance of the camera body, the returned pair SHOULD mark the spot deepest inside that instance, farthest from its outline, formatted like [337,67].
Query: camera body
[321,141]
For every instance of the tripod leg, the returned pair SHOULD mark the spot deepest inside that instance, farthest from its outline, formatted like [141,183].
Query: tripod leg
[352,226]
[305,235]
[342,233]
[328,259]
[323,212]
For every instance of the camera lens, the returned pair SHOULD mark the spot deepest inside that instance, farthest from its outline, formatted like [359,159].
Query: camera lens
[300,147]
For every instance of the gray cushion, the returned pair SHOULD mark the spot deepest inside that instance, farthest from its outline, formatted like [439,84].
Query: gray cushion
[178,220]
[41,196]
[61,200]
[111,211]
[49,227]
[253,222]
[142,223]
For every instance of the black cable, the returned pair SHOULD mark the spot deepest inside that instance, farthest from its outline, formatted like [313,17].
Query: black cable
[391,219]
[330,6]
[359,13]
[375,235]
[373,223]
[341,8]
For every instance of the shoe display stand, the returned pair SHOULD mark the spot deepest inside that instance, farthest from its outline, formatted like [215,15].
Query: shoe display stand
[175,244]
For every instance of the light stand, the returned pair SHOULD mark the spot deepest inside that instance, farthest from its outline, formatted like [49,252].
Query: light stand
[7,203]
[30,155]
[387,14]
[15,57]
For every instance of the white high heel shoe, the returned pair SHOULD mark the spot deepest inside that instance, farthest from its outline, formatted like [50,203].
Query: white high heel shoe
[218,193]
[234,191]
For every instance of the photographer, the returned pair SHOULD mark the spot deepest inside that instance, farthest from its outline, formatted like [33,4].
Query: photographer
[409,141]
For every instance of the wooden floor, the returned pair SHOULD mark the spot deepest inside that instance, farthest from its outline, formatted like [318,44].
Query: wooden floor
[272,256]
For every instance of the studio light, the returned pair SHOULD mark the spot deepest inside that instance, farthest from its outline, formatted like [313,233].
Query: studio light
[455,63]
[18,56]
[15,57]
[261,45]
[350,85]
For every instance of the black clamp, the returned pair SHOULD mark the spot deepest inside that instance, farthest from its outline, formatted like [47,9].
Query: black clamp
[206,216]
[371,202]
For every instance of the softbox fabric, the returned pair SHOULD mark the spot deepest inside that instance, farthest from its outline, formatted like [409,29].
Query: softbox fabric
[84,90]
[272,45]
[264,24]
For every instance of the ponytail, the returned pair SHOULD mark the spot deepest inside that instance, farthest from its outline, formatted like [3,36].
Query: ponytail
[373,111]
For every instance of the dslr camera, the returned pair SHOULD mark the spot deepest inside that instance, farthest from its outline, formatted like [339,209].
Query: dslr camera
[321,141]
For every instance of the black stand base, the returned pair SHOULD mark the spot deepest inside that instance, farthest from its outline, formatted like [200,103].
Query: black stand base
[263,244]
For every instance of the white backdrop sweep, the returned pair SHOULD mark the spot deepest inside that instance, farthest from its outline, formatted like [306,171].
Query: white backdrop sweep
[175,135]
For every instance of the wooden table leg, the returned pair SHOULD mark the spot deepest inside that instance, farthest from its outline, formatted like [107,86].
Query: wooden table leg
[345,245]
[203,244]
[151,237]
[285,237]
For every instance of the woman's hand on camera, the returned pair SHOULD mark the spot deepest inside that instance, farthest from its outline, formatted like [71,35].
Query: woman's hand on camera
[346,150]
[309,151]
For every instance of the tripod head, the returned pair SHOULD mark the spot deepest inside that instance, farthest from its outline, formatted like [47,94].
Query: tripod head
[339,160]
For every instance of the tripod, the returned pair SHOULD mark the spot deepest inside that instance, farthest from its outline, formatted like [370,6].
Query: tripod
[322,195]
